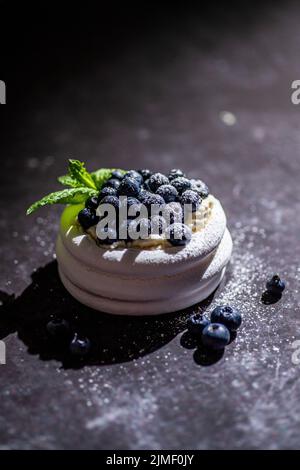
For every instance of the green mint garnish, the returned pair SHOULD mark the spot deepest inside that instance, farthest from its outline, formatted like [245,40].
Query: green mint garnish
[66,196]
[78,173]
[67,180]
[82,185]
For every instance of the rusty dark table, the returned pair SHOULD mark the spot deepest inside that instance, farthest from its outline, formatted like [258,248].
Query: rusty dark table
[208,92]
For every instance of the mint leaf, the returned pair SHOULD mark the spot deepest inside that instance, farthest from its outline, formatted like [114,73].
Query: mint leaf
[66,196]
[101,176]
[67,180]
[78,173]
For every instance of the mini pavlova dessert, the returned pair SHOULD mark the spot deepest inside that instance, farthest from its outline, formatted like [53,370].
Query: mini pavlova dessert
[139,243]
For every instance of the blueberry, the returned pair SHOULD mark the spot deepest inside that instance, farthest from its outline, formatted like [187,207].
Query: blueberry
[178,234]
[275,285]
[152,199]
[92,203]
[175,173]
[196,324]
[145,173]
[192,198]
[113,183]
[158,225]
[199,187]
[58,327]
[107,191]
[87,218]
[110,236]
[118,174]
[157,180]
[135,175]
[167,192]
[181,184]
[215,336]
[132,201]
[146,185]
[129,187]
[228,316]
[80,346]
[173,212]
[144,195]
[112,200]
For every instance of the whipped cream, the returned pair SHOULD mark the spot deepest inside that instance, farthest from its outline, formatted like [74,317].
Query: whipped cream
[196,221]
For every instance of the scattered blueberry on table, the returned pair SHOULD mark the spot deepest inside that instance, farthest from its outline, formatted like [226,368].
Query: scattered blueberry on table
[274,289]
[228,316]
[275,285]
[58,328]
[196,324]
[80,346]
[215,336]
[215,333]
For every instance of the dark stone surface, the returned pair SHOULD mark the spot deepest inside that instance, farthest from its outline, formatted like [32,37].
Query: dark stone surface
[150,90]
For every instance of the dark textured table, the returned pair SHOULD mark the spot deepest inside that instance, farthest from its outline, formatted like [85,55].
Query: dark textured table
[208,92]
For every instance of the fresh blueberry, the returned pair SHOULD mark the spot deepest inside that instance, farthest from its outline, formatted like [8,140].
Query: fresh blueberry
[87,218]
[92,203]
[228,316]
[113,183]
[136,204]
[173,212]
[135,175]
[178,234]
[196,324]
[167,192]
[109,236]
[158,225]
[215,336]
[118,174]
[275,285]
[153,199]
[181,184]
[191,198]
[58,327]
[80,346]
[144,195]
[112,200]
[146,185]
[106,191]
[145,173]
[157,180]
[129,187]
[175,173]
[199,187]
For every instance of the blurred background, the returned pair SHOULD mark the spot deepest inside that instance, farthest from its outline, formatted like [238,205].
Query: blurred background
[203,88]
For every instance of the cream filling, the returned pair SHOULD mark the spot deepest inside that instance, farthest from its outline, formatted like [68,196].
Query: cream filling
[196,221]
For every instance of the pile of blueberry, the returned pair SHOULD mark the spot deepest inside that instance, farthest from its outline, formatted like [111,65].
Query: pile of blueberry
[171,192]
[215,333]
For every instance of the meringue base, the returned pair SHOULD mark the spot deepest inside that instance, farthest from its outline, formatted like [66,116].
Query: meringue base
[143,282]
[139,308]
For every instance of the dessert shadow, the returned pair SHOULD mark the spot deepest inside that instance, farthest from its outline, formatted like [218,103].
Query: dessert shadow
[114,338]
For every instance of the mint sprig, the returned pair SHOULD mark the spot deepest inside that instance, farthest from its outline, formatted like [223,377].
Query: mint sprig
[67,180]
[66,196]
[82,185]
[78,173]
